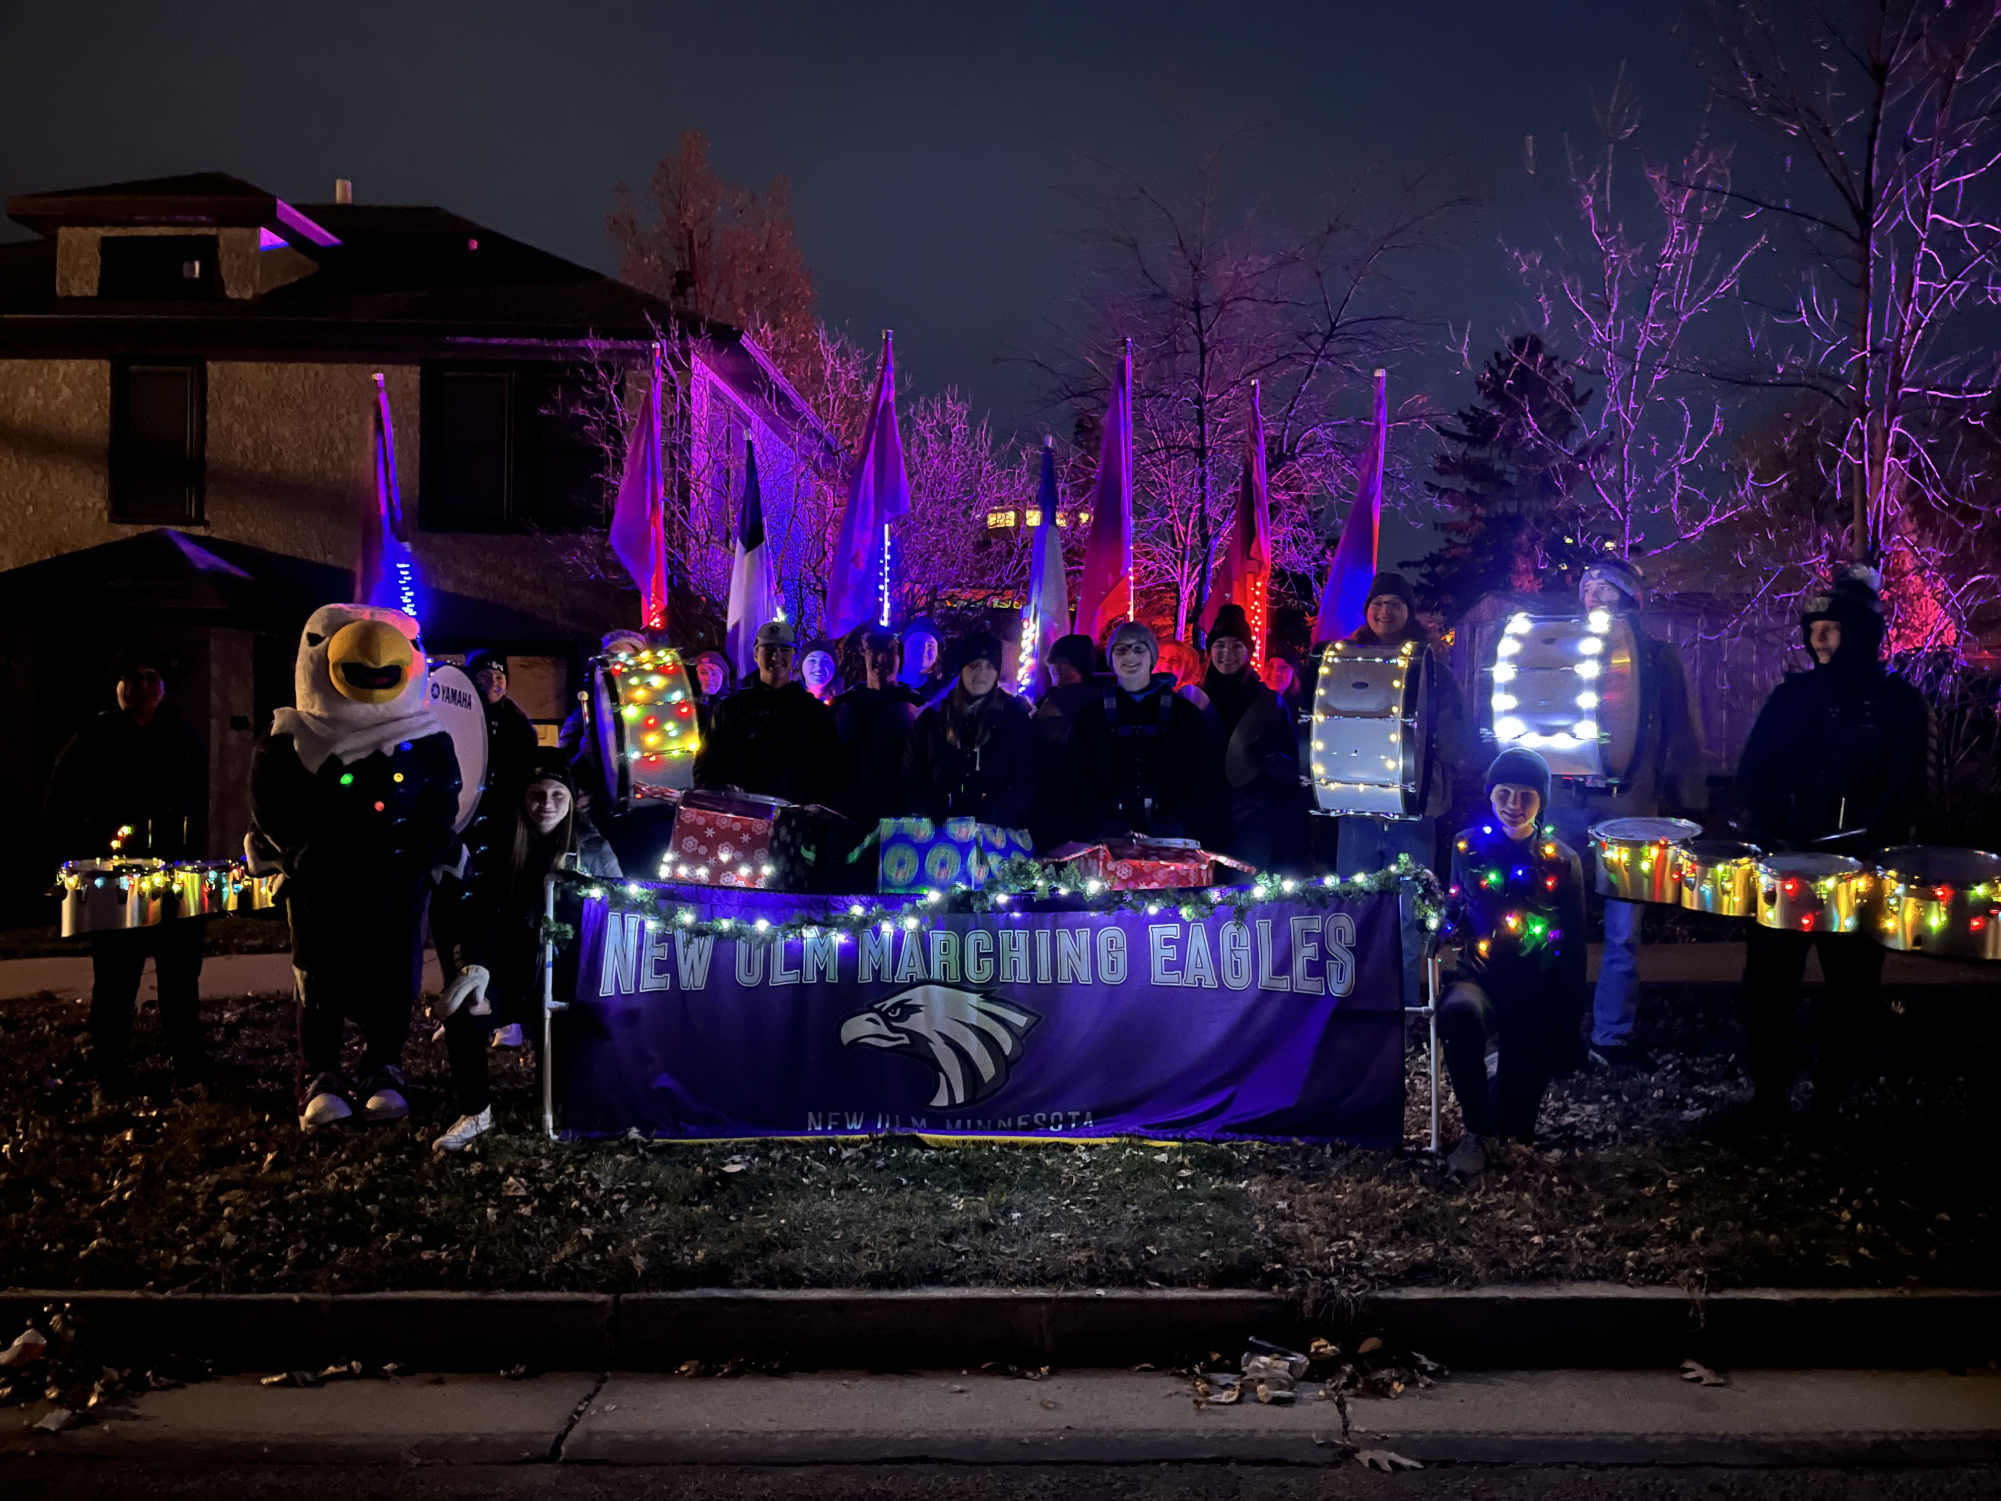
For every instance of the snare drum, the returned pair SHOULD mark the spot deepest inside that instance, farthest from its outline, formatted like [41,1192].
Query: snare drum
[1935,899]
[643,711]
[1811,892]
[1637,857]
[1369,737]
[202,887]
[102,895]
[1719,876]
[1568,688]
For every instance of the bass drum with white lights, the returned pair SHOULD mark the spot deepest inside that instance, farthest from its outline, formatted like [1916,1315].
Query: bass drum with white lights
[1369,741]
[1568,687]
[643,716]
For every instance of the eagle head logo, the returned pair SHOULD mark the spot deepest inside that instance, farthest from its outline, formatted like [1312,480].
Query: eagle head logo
[971,1040]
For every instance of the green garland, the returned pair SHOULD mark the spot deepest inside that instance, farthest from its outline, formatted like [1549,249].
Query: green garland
[1017,877]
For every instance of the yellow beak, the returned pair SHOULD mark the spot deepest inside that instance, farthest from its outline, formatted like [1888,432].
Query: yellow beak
[371,662]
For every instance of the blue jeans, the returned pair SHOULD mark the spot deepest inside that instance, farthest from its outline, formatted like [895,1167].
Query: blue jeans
[1616,1002]
[1367,845]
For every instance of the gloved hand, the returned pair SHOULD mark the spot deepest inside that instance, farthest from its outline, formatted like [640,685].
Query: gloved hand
[470,981]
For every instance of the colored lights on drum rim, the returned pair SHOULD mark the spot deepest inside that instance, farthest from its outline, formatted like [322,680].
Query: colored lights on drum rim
[653,676]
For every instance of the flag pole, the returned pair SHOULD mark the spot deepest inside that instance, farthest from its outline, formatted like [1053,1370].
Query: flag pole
[656,603]
[887,575]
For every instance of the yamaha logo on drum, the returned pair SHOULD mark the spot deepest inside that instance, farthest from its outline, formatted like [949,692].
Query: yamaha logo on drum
[450,693]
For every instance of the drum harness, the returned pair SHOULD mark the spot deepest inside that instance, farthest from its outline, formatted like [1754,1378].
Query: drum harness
[1125,734]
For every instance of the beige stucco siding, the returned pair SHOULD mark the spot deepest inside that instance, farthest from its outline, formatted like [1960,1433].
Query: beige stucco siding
[55,429]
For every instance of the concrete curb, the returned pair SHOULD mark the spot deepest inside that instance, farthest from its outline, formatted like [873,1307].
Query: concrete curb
[1575,1325]
[1549,1327]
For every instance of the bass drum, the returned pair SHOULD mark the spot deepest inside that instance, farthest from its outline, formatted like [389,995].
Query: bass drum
[643,718]
[1370,741]
[1569,688]
[455,699]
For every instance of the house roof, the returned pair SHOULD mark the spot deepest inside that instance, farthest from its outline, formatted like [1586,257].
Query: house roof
[391,284]
[165,575]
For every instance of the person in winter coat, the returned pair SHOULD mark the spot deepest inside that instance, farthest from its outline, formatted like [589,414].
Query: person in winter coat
[133,782]
[1668,781]
[874,723]
[353,796]
[973,755]
[1370,844]
[771,736]
[1072,683]
[1138,750]
[1517,918]
[1839,760]
[493,968]
[1265,804]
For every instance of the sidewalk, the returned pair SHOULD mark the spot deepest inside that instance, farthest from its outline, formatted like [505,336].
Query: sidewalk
[223,976]
[1123,1417]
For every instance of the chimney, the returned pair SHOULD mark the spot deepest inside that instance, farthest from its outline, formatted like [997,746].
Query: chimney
[343,190]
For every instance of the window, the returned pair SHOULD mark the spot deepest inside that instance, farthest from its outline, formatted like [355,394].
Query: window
[506,448]
[178,268]
[157,422]
[468,458]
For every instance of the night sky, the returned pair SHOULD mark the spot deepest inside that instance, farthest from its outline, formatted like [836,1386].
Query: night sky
[942,158]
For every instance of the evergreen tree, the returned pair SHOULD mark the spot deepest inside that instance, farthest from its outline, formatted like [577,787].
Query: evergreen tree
[1507,477]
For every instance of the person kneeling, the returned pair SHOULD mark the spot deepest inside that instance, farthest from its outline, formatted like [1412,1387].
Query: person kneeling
[1518,918]
[495,966]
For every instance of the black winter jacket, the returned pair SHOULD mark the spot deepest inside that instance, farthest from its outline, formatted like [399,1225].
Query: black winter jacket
[115,774]
[777,742]
[981,765]
[1139,762]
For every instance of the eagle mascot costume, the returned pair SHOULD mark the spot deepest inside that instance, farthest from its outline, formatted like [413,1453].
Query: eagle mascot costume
[353,795]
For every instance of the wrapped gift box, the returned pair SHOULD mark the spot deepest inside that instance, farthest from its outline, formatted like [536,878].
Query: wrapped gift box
[1149,865]
[919,855]
[723,840]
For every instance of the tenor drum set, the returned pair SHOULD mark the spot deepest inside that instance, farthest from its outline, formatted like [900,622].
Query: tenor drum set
[103,895]
[1917,899]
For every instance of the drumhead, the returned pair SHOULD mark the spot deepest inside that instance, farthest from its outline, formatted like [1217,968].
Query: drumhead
[1939,865]
[1567,687]
[1619,702]
[1810,864]
[1721,851]
[1645,830]
[456,700]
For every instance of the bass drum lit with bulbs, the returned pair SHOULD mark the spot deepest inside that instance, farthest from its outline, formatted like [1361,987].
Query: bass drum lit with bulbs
[1369,743]
[643,717]
[1568,688]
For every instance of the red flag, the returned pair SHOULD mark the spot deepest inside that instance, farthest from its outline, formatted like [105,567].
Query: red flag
[639,519]
[1344,601]
[1106,592]
[1244,578]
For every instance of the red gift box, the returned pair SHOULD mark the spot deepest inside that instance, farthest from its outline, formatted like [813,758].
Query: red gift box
[1134,865]
[714,848]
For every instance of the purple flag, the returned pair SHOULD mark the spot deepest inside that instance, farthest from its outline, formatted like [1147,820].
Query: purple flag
[386,572]
[1106,591]
[1344,602]
[878,494]
[1046,616]
[638,520]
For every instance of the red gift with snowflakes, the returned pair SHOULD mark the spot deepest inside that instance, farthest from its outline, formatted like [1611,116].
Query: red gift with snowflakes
[1151,865]
[722,840]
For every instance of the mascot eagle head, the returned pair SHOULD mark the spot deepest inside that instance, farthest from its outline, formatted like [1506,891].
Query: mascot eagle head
[357,658]
[971,1040]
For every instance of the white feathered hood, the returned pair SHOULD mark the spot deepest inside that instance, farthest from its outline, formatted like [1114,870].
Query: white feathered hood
[331,722]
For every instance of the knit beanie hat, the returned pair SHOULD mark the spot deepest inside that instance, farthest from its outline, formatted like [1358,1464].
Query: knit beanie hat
[1395,585]
[1522,768]
[980,646]
[1621,575]
[1076,649]
[1232,622]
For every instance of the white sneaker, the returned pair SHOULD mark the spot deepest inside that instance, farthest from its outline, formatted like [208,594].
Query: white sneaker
[1469,1158]
[324,1109]
[464,1129]
[508,1036]
[385,1100]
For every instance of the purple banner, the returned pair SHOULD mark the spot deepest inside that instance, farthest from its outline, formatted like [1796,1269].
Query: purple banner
[1285,1026]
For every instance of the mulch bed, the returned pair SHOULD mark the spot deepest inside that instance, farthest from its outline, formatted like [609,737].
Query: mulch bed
[219,1192]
